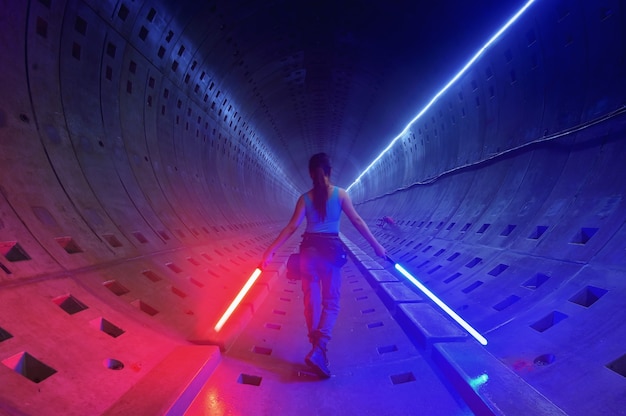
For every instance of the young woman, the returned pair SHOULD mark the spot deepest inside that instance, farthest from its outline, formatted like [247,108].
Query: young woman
[320,255]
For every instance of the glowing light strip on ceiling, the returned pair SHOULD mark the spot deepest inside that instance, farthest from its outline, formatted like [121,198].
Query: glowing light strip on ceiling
[446,87]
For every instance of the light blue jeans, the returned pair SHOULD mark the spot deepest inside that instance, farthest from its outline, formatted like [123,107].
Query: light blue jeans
[321,285]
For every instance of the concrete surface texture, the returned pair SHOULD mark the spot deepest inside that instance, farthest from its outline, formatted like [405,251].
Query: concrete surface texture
[150,150]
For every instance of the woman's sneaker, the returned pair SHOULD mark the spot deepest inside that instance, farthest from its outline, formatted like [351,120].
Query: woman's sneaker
[316,359]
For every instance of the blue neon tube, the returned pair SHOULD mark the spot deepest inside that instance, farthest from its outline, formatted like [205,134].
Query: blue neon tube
[440,303]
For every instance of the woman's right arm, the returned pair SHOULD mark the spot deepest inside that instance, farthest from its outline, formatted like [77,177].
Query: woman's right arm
[359,224]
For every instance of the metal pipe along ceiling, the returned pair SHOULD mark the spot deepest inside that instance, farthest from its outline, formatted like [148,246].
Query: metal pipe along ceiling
[151,150]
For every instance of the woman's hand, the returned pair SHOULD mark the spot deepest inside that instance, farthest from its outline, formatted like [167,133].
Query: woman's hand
[380,251]
[266,259]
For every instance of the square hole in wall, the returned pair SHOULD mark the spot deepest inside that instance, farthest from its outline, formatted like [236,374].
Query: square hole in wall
[262,350]
[174,267]
[548,321]
[4,335]
[466,227]
[272,326]
[196,282]
[178,292]
[508,230]
[473,286]
[454,256]
[473,262]
[116,287]
[387,349]
[68,244]
[588,296]
[498,269]
[30,367]
[69,304]
[164,235]
[249,379]
[375,325]
[402,378]
[538,232]
[112,240]
[452,224]
[618,365]
[13,251]
[506,303]
[144,307]
[151,275]
[140,237]
[107,327]
[584,235]
[483,228]
[453,277]
[535,281]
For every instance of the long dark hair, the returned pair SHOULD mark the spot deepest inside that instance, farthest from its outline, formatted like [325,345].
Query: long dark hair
[319,166]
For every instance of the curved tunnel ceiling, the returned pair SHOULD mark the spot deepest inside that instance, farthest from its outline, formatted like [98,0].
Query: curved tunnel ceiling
[150,150]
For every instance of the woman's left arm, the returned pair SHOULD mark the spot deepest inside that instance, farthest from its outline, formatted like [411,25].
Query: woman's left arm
[290,228]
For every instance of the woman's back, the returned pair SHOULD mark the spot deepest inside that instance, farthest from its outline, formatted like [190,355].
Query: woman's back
[315,222]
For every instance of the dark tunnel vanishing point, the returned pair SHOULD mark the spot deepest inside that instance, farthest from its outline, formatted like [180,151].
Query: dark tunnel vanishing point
[150,150]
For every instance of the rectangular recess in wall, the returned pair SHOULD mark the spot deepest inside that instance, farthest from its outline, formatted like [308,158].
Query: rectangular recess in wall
[483,228]
[249,379]
[69,304]
[116,287]
[112,240]
[618,365]
[193,261]
[535,281]
[261,350]
[140,237]
[508,230]
[151,275]
[4,334]
[588,296]
[402,378]
[453,277]
[473,286]
[68,244]
[584,235]
[473,262]
[498,269]
[387,349]
[173,267]
[454,256]
[178,292]
[107,327]
[500,306]
[196,282]
[548,321]
[538,232]
[28,366]
[144,307]
[13,251]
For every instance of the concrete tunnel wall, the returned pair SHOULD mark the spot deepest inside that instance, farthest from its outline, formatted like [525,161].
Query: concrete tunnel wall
[128,195]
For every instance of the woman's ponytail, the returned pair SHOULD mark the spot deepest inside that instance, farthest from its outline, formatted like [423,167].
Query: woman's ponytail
[319,168]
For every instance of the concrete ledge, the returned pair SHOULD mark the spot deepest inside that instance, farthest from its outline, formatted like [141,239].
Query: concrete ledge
[394,293]
[487,385]
[382,276]
[427,326]
[170,387]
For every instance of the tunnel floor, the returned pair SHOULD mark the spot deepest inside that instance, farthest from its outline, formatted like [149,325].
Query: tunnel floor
[376,369]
